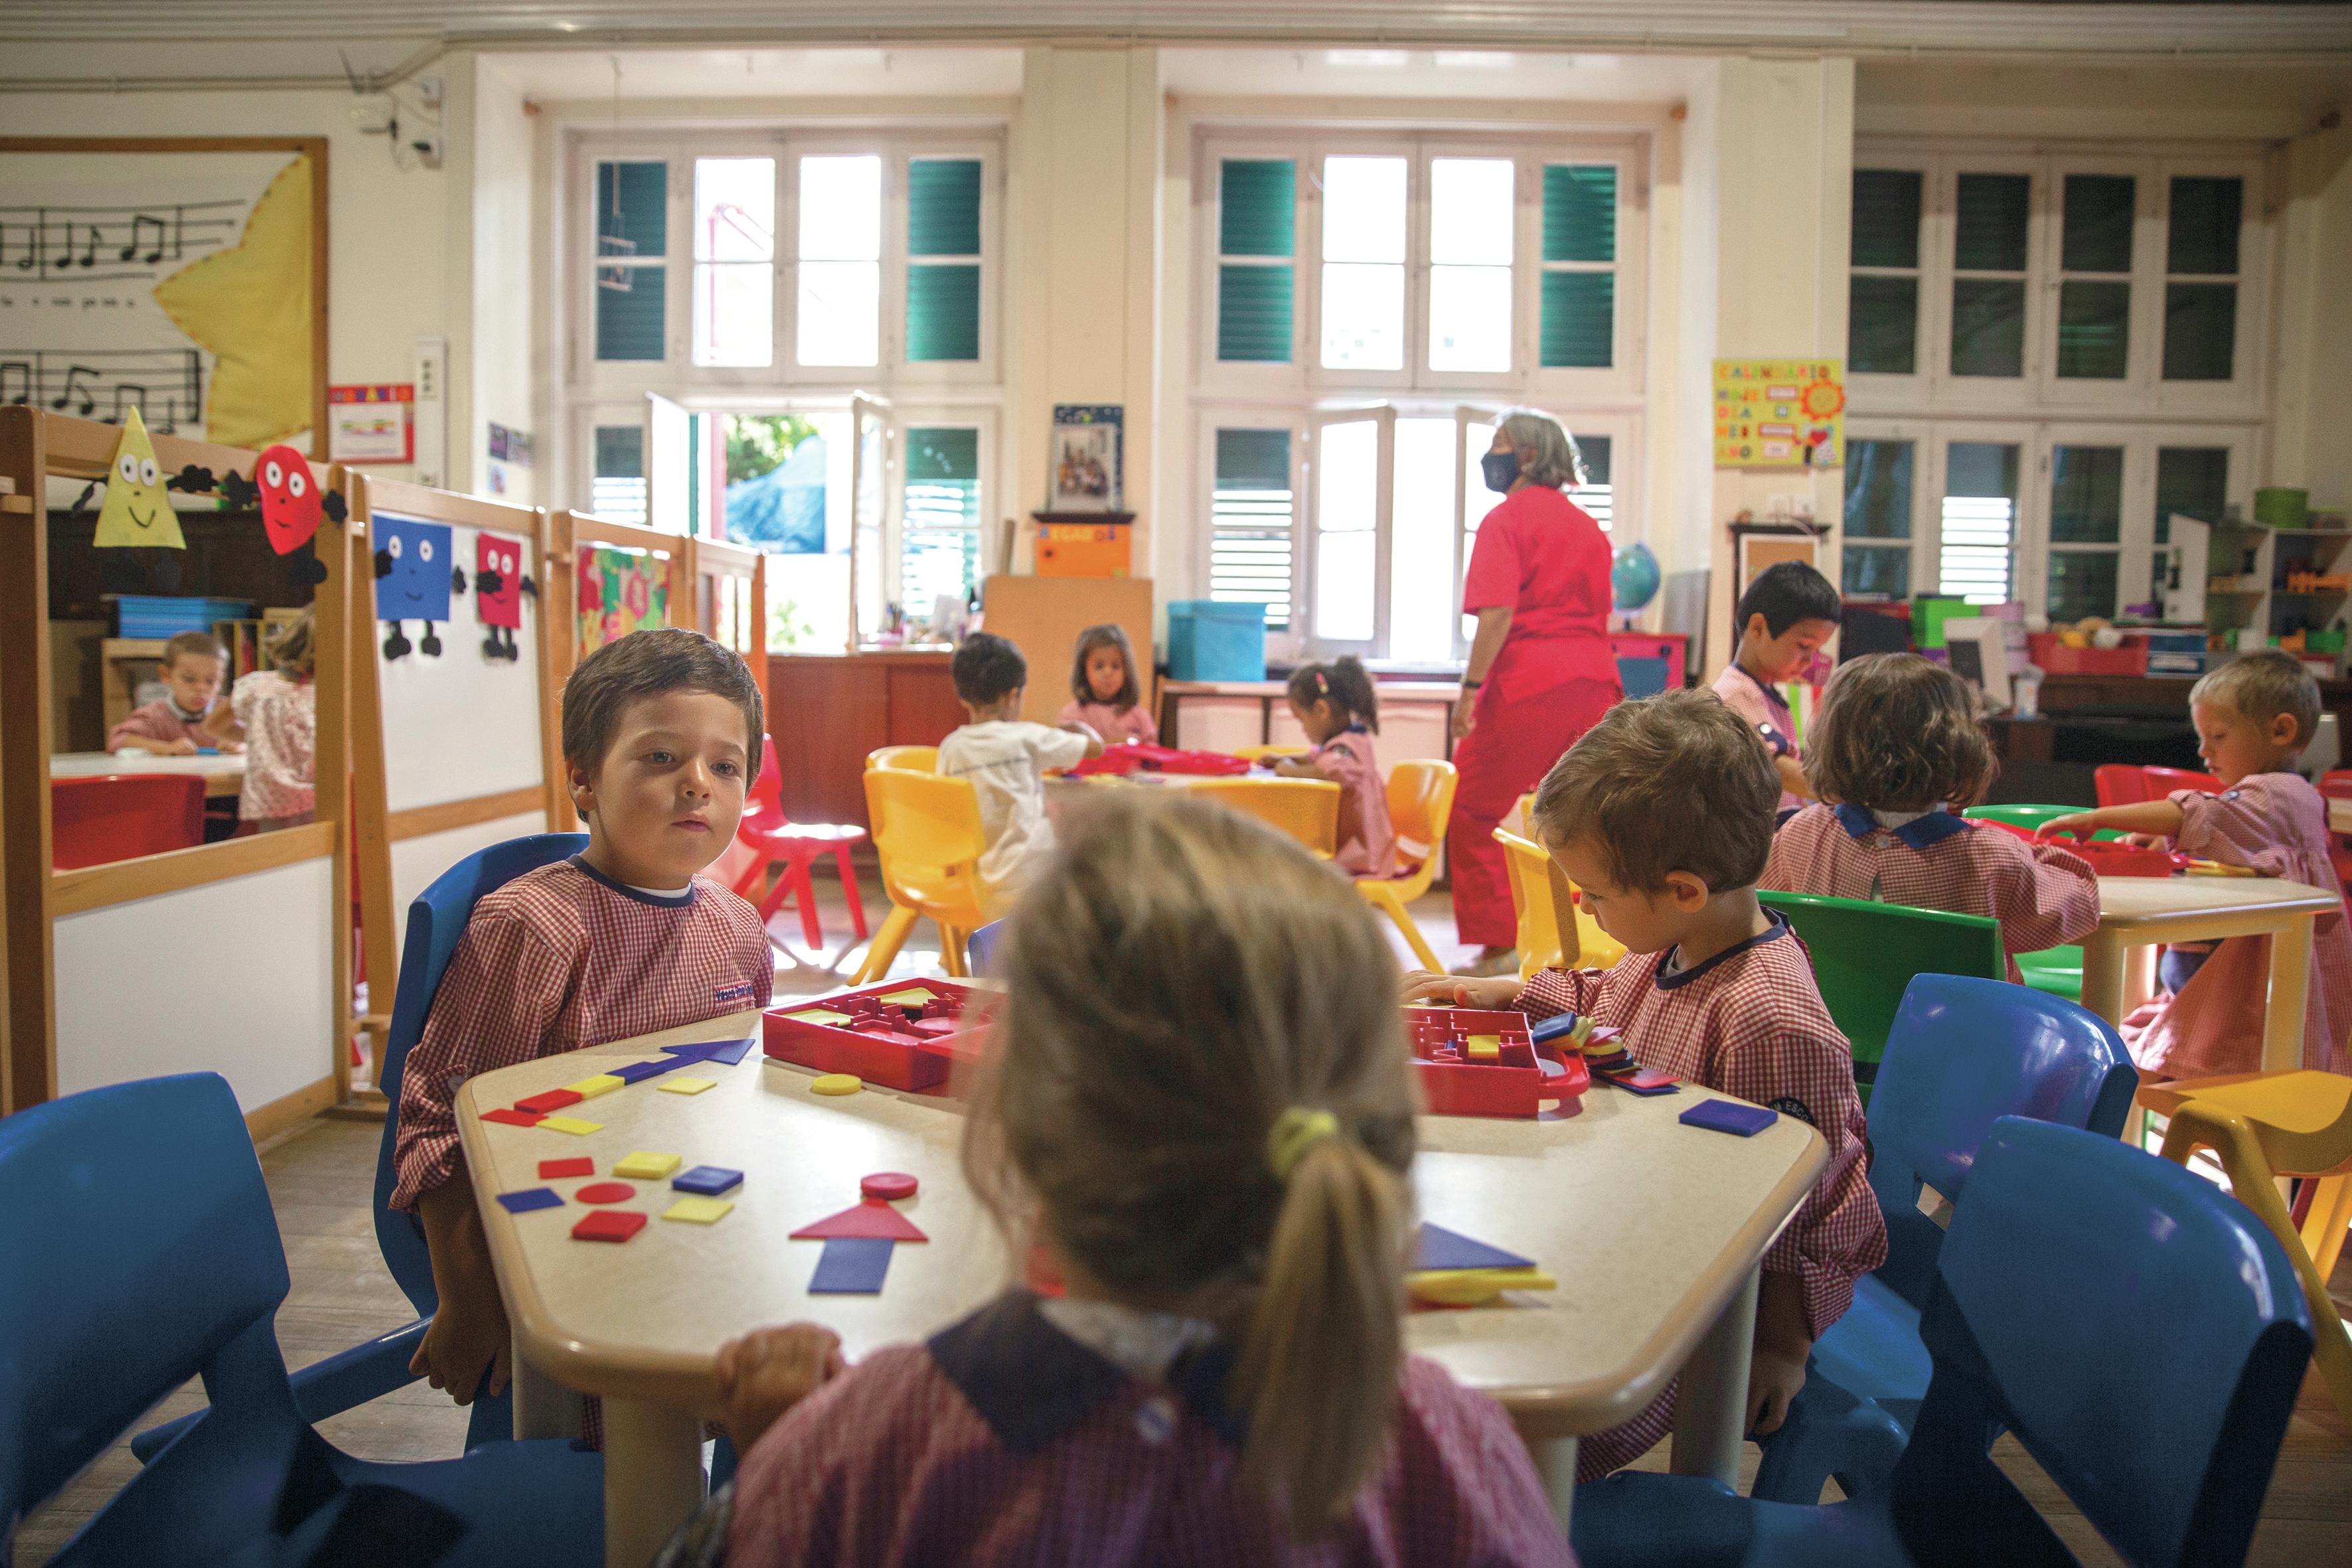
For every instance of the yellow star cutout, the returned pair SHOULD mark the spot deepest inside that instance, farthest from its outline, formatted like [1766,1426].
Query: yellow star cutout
[249,305]
[137,510]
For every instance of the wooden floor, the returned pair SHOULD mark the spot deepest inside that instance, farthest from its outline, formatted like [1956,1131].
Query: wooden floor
[321,1180]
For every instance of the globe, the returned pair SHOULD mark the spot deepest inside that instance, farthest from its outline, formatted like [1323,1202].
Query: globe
[1633,577]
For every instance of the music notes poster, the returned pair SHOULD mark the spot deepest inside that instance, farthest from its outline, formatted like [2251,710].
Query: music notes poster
[180,283]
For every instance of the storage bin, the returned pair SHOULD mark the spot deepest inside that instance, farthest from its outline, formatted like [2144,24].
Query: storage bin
[2052,656]
[159,616]
[1930,611]
[2279,507]
[1209,640]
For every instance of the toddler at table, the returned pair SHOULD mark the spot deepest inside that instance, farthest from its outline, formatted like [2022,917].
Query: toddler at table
[1897,751]
[1105,690]
[1340,709]
[274,714]
[174,725]
[1783,618]
[661,737]
[1662,814]
[2253,716]
[1004,757]
[1199,1109]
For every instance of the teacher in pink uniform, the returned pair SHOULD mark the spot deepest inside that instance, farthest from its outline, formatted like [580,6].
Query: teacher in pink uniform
[1540,670]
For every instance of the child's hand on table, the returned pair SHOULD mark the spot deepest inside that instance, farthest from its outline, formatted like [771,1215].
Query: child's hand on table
[1455,991]
[769,1371]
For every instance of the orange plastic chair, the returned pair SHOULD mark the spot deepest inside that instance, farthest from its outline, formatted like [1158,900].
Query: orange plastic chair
[1539,890]
[789,845]
[906,759]
[2119,784]
[1421,804]
[1306,809]
[927,831]
[2264,1126]
[120,817]
[1268,753]
[2162,781]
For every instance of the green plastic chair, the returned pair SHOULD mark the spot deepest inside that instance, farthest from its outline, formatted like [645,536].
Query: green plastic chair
[2056,971]
[1865,954]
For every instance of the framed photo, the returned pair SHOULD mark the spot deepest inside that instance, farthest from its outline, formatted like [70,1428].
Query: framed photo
[1085,468]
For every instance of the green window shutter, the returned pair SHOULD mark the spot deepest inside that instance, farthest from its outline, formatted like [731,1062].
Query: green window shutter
[629,304]
[1885,218]
[1579,212]
[1594,451]
[632,221]
[1253,459]
[1580,319]
[942,453]
[1882,324]
[621,451]
[942,297]
[632,210]
[943,206]
[1257,205]
[1254,313]
[1251,517]
[2191,480]
[1993,211]
[2096,235]
[2200,330]
[943,311]
[2204,228]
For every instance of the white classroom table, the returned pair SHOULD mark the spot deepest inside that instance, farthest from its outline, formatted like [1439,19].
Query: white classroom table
[223,775]
[2135,911]
[1654,1231]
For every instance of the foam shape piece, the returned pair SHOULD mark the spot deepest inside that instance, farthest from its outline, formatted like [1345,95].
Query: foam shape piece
[605,1193]
[826,1016]
[887,1184]
[290,497]
[708,1180]
[699,1211]
[497,579]
[530,1198]
[415,585]
[553,1100]
[609,1224]
[837,1083]
[870,1217]
[1728,1116]
[137,510]
[915,996]
[599,1083]
[686,1086]
[730,1052]
[1643,1081]
[573,1165]
[570,1124]
[647,1166]
[638,1072]
[850,1266]
[1440,1248]
[513,1118]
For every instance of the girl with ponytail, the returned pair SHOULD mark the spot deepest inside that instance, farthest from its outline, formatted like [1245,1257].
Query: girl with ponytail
[1197,1110]
[1339,711]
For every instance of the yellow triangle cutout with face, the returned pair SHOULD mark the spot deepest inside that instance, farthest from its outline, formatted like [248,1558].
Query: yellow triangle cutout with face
[137,510]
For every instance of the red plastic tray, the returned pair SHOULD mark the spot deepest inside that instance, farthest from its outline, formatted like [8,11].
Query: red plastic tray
[2110,858]
[1128,759]
[880,1043]
[1515,1086]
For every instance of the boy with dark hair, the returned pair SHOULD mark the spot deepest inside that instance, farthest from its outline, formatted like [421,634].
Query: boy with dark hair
[1003,758]
[173,726]
[1662,815]
[1781,621]
[661,736]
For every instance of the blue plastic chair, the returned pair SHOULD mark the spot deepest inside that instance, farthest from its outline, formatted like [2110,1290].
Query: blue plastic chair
[141,1251]
[435,921]
[1963,1053]
[2066,1246]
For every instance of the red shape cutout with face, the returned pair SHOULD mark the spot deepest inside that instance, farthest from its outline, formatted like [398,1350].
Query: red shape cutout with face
[501,559]
[290,497]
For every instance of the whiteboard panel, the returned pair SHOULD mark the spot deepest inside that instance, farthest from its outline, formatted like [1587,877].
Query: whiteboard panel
[462,724]
[234,977]
[416,862]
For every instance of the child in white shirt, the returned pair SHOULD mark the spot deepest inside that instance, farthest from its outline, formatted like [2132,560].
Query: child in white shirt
[1005,758]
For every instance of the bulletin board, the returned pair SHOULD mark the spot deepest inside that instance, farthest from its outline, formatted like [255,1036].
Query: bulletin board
[1044,616]
[1779,414]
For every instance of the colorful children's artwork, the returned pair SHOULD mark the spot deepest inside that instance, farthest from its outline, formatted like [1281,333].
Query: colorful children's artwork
[621,592]
[137,510]
[290,501]
[498,592]
[1779,414]
[413,573]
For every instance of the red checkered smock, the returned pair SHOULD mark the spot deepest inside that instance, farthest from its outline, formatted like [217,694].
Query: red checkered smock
[1749,1023]
[564,957]
[2041,894]
[1004,1440]
[160,721]
[2277,824]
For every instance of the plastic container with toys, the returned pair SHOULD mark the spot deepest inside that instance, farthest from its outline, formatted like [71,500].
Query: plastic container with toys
[903,1035]
[1478,1063]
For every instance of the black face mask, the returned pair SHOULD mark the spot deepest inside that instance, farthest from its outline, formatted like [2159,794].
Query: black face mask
[1501,468]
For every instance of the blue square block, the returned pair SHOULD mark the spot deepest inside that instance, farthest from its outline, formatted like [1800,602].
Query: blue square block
[529,1199]
[1725,1116]
[708,1180]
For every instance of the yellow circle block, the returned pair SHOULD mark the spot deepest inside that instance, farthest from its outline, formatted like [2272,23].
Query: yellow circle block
[838,1083]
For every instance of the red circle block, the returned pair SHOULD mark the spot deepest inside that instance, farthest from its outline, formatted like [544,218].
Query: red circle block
[892,1184]
[605,1193]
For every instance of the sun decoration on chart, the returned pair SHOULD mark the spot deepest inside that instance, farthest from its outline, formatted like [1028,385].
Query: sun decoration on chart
[1778,414]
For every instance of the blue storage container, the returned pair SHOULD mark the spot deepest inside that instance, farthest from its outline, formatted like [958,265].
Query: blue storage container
[1209,640]
[152,615]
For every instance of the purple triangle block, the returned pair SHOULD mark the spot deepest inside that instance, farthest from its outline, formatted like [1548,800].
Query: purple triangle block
[1441,1248]
[728,1051]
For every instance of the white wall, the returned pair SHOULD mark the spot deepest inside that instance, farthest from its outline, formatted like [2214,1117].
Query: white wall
[493,336]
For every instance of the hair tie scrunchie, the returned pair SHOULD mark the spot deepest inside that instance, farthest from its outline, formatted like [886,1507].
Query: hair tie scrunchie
[1294,1133]
[1321,684]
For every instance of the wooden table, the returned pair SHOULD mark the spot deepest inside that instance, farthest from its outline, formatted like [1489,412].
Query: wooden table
[1655,1230]
[2135,911]
[223,775]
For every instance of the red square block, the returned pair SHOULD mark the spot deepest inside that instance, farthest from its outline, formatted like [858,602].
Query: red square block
[553,1100]
[609,1224]
[551,1170]
[514,1117]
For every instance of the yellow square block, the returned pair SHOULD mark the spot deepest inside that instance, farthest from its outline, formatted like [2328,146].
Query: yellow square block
[570,1124]
[685,1085]
[644,1167]
[602,1083]
[699,1211]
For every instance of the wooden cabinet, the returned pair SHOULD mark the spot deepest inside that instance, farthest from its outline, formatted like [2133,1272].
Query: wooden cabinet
[826,713]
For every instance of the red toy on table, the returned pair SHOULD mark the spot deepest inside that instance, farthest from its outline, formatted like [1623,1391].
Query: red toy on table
[1478,1063]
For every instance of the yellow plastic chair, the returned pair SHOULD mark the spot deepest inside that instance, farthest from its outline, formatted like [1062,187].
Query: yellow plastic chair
[1421,804]
[927,831]
[1306,809]
[2266,1125]
[1539,890]
[906,759]
[1268,753]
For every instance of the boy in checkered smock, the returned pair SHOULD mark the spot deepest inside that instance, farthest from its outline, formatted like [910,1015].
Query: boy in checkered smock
[1896,751]
[2254,715]
[661,735]
[1200,1112]
[1663,815]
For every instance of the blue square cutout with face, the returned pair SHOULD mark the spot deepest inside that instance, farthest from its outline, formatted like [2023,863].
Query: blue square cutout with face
[417,586]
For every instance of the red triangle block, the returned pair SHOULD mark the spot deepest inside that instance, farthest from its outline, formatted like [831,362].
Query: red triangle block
[872,1218]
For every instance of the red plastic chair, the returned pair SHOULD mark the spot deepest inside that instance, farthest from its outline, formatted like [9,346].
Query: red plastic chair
[2162,781]
[2119,784]
[120,817]
[779,841]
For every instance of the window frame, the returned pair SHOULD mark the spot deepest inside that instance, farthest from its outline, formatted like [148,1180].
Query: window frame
[1246,416]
